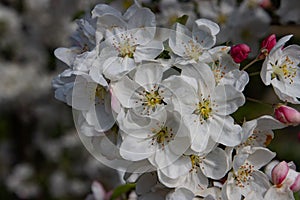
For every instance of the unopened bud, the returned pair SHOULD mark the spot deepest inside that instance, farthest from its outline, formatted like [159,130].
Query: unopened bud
[267,45]
[266,4]
[287,115]
[239,52]
[279,172]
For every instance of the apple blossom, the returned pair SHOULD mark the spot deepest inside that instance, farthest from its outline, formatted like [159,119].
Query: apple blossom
[246,176]
[190,47]
[192,170]
[206,111]
[280,69]
[259,132]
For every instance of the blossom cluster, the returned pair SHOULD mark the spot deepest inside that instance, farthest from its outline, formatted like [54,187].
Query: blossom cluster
[158,104]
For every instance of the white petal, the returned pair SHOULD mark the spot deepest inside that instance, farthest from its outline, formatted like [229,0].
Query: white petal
[180,36]
[125,90]
[224,131]
[100,117]
[265,74]
[96,75]
[115,68]
[236,78]
[143,17]
[248,128]
[267,122]
[110,21]
[280,43]
[275,193]
[202,72]
[214,28]
[203,35]
[200,138]
[180,167]
[67,55]
[149,74]
[260,157]
[135,149]
[227,99]
[215,164]
[83,95]
[103,9]
[148,51]
[181,193]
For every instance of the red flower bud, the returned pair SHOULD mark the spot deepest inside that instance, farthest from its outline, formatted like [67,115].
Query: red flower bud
[287,115]
[267,45]
[239,52]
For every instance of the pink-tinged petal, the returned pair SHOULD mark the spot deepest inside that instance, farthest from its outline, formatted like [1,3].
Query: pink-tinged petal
[108,195]
[280,172]
[295,187]
[115,103]
[287,115]
[98,190]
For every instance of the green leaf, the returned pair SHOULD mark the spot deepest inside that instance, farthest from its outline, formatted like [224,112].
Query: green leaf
[297,196]
[122,189]
[182,20]
[164,55]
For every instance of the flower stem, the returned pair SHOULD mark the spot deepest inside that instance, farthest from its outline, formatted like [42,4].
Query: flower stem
[251,63]
[259,101]
[254,73]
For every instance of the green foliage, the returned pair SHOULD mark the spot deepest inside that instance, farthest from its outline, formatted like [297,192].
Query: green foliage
[122,190]
[182,20]
[164,55]
[297,196]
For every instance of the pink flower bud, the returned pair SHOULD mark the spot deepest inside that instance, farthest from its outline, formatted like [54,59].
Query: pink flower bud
[267,45]
[266,4]
[239,52]
[295,187]
[279,172]
[287,115]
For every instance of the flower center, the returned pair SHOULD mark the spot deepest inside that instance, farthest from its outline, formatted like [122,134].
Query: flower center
[162,136]
[203,109]
[286,70]
[153,98]
[217,69]
[150,100]
[243,174]
[195,160]
[193,50]
[126,47]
